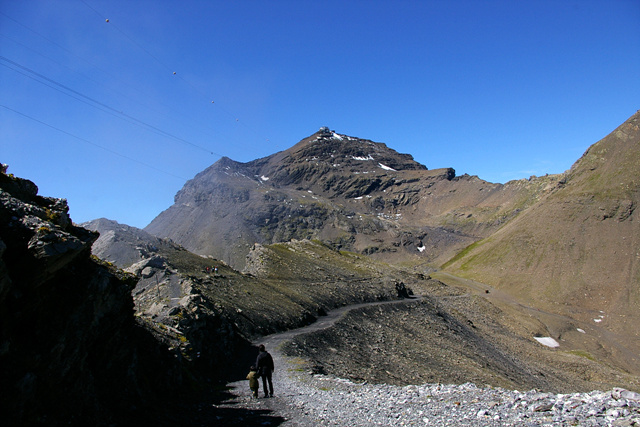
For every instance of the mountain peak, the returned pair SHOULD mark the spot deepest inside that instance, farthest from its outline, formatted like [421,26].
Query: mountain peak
[349,192]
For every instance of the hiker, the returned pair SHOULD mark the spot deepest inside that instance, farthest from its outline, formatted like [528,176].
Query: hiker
[254,384]
[402,290]
[264,362]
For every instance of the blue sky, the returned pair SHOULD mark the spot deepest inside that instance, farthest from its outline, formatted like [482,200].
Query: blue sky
[116,116]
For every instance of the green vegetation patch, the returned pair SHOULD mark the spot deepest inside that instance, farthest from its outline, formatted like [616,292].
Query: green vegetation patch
[463,253]
[583,353]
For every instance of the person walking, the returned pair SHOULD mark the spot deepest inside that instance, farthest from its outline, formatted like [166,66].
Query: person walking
[264,362]
[253,376]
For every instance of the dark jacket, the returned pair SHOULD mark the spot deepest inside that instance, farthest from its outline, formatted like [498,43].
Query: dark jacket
[264,362]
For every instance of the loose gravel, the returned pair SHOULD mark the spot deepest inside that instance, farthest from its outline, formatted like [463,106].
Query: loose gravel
[305,399]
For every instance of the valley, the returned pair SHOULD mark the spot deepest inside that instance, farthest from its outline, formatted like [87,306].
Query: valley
[531,284]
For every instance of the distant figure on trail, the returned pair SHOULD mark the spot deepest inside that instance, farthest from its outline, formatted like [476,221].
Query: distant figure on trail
[254,384]
[264,362]
[403,291]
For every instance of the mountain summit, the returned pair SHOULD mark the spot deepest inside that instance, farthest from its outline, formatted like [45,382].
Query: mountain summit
[350,193]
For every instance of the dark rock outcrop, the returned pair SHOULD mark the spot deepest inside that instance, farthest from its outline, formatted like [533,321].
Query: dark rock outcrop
[71,352]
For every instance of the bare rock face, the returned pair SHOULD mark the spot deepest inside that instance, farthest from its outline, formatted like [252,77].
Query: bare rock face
[351,193]
[70,350]
[122,244]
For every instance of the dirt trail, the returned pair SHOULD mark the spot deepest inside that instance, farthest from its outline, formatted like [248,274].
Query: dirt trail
[274,341]
[243,409]
[276,411]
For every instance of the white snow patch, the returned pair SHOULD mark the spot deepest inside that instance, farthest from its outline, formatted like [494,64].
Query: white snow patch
[421,248]
[358,198]
[264,178]
[548,341]
[336,136]
[597,320]
[385,167]
[369,157]
[581,331]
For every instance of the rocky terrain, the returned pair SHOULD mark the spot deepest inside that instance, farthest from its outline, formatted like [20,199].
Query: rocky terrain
[527,299]
[305,398]
[308,400]
[458,332]
[71,350]
[350,193]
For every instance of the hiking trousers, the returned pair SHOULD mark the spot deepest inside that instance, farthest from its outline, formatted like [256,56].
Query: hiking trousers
[266,379]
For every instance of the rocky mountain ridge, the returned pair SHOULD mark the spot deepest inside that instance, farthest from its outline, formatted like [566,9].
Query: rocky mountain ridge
[192,315]
[461,334]
[350,193]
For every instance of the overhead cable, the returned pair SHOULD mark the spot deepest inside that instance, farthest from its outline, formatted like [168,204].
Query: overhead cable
[98,104]
[93,143]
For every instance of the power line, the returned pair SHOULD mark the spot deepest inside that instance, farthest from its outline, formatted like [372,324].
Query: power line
[90,78]
[97,104]
[131,40]
[165,66]
[93,143]
[79,96]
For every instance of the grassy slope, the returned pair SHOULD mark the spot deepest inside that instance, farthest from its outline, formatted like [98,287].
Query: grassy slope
[576,252]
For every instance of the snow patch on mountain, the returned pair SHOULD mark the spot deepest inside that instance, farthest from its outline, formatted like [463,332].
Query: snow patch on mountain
[548,341]
[369,157]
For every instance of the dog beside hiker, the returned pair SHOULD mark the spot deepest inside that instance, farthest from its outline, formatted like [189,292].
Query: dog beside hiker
[263,368]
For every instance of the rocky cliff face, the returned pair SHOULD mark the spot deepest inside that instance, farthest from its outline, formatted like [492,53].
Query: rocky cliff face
[351,193]
[71,351]
[124,245]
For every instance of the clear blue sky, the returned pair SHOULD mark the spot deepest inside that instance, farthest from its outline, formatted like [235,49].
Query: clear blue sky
[92,111]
